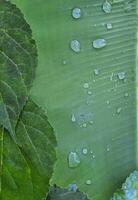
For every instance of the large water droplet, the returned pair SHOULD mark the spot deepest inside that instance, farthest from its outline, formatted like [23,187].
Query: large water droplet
[72,187]
[76,13]
[75,46]
[73,160]
[121,75]
[99,43]
[107,7]
[88,182]
[109,26]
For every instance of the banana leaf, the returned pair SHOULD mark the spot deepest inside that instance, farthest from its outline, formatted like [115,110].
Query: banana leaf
[89,89]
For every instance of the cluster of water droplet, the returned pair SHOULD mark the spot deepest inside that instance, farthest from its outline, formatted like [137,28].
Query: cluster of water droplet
[84,119]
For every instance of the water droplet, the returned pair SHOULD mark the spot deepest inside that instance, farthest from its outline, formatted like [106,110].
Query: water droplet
[107,149]
[96,71]
[119,110]
[72,187]
[107,7]
[89,93]
[88,182]
[84,151]
[91,152]
[73,160]
[91,122]
[86,85]
[109,26]
[121,75]
[93,156]
[99,43]
[126,94]
[73,119]
[84,125]
[64,62]
[76,13]
[75,46]
[108,102]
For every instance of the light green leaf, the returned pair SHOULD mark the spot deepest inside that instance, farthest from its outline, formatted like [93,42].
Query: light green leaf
[68,85]
[17,64]
[27,168]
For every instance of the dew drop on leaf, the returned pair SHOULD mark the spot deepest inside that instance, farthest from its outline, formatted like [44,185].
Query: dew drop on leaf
[121,75]
[109,26]
[89,93]
[88,182]
[73,160]
[73,119]
[86,85]
[85,151]
[75,46]
[126,94]
[76,13]
[119,110]
[107,7]
[99,43]
[96,71]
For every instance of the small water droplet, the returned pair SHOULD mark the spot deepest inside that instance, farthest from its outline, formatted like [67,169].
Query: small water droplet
[89,93]
[94,81]
[88,182]
[93,156]
[64,62]
[91,122]
[109,26]
[76,13]
[75,46]
[84,125]
[73,119]
[91,152]
[86,85]
[96,71]
[107,149]
[99,43]
[72,187]
[126,94]
[121,75]
[119,110]
[107,7]
[84,151]
[73,160]
[108,102]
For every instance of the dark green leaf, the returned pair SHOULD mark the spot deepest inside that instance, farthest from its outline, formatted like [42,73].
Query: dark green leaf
[28,167]
[17,64]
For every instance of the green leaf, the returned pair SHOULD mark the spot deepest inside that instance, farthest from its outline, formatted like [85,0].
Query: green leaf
[15,176]
[57,193]
[27,168]
[17,63]
[107,107]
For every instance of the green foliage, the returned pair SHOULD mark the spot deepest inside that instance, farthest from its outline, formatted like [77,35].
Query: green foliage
[27,140]
[108,129]
[17,62]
